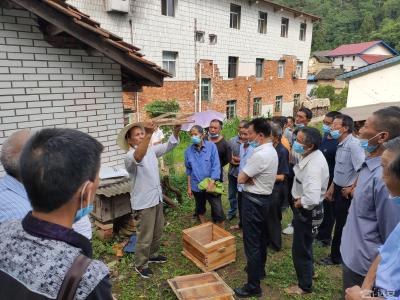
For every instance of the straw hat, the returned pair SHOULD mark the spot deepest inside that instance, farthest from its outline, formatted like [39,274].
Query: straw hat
[121,139]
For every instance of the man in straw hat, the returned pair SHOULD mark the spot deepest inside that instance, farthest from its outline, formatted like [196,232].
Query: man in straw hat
[146,196]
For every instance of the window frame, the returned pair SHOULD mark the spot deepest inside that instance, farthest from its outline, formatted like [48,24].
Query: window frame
[230,64]
[229,105]
[236,14]
[209,89]
[303,32]
[257,106]
[281,63]
[280,103]
[167,62]
[165,8]
[199,36]
[212,39]
[284,32]
[259,64]
[296,99]
[299,69]
[262,22]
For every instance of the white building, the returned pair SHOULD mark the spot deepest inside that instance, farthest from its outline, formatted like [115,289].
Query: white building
[374,84]
[242,34]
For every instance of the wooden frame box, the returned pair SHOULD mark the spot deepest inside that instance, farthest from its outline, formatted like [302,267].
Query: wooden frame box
[209,246]
[206,286]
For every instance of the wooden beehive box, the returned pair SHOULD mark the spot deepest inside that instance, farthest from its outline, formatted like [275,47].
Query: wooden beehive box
[209,246]
[201,286]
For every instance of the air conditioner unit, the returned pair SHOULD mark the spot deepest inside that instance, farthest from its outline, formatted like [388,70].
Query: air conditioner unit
[120,6]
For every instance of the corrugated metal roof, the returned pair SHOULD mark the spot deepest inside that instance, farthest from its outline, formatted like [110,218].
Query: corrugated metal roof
[114,186]
[370,68]
[372,58]
[351,49]
[361,113]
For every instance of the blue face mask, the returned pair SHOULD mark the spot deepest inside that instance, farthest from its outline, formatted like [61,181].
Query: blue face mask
[335,134]
[326,128]
[396,200]
[196,140]
[83,211]
[300,125]
[298,148]
[254,144]
[213,135]
[369,148]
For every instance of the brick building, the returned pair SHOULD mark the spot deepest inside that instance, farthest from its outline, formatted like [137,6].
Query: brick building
[59,68]
[241,57]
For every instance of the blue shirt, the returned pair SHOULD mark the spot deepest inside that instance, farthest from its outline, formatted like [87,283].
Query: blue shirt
[244,153]
[372,217]
[388,273]
[328,148]
[14,203]
[234,144]
[201,164]
[283,160]
[349,159]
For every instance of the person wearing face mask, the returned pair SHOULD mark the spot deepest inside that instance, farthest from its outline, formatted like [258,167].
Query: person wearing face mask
[372,215]
[309,188]
[383,278]
[224,150]
[328,148]
[348,161]
[258,178]
[303,117]
[37,253]
[201,162]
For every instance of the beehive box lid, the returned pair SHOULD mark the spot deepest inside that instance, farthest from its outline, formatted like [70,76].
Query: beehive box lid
[114,186]
[204,286]
[207,235]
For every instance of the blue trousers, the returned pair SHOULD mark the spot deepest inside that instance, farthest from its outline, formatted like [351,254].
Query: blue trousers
[232,195]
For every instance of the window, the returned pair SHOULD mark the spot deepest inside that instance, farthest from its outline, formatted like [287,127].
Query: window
[259,67]
[235,16]
[299,69]
[281,68]
[333,59]
[232,66]
[199,36]
[168,8]
[303,31]
[206,89]
[296,100]
[278,103]
[342,66]
[284,27]
[213,39]
[354,58]
[257,107]
[262,22]
[342,58]
[352,68]
[169,61]
[231,109]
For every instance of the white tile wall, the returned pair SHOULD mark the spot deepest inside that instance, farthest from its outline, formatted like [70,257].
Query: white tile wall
[43,86]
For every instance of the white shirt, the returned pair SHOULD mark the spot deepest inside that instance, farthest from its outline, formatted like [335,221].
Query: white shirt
[311,180]
[145,177]
[262,167]
[157,137]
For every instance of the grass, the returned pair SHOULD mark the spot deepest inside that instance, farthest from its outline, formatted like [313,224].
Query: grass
[280,272]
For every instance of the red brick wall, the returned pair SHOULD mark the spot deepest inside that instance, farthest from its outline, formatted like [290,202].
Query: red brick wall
[266,88]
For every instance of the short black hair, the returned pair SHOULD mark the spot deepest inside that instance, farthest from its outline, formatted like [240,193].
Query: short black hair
[281,120]
[290,118]
[276,130]
[347,121]
[393,146]
[332,114]
[307,112]
[261,125]
[244,123]
[54,163]
[312,136]
[198,127]
[388,119]
[217,121]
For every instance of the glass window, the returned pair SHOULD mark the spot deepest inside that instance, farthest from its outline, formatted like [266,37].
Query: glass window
[284,27]
[262,22]
[168,8]
[232,66]
[200,36]
[299,69]
[281,69]
[169,61]
[257,107]
[296,100]
[259,67]
[213,39]
[303,31]
[206,89]
[235,16]
[278,103]
[231,109]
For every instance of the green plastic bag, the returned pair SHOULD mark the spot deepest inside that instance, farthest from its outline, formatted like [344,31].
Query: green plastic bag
[219,186]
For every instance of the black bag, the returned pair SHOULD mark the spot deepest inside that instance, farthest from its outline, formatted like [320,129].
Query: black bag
[73,277]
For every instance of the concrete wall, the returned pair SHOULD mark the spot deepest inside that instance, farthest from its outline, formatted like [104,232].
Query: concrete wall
[378,50]
[375,87]
[348,62]
[42,86]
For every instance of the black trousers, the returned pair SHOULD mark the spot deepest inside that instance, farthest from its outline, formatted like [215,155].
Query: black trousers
[239,198]
[217,211]
[341,207]
[274,217]
[350,278]
[255,236]
[302,250]
[326,228]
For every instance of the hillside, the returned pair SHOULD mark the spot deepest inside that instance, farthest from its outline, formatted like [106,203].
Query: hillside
[345,21]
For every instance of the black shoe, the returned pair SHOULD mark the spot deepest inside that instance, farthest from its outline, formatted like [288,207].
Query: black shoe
[230,218]
[245,292]
[144,272]
[158,259]
[327,261]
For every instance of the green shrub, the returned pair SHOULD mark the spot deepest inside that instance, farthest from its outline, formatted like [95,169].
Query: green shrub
[159,107]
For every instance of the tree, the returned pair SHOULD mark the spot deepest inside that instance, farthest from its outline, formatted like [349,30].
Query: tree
[159,107]
[367,26]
